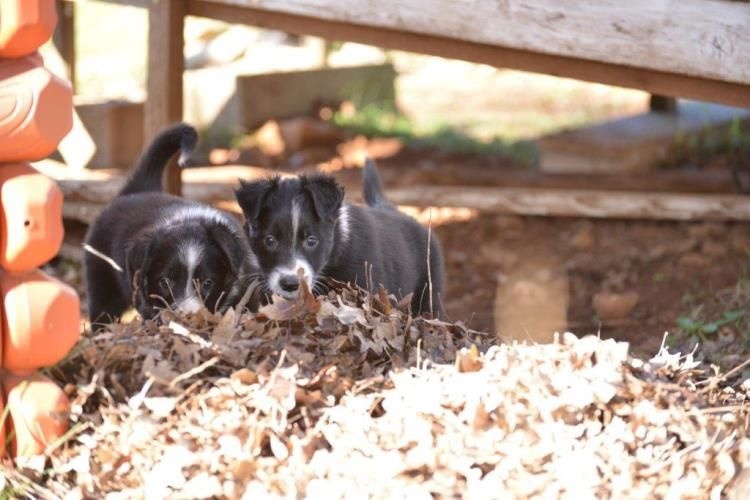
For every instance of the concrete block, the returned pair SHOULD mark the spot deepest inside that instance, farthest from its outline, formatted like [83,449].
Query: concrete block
[631,144]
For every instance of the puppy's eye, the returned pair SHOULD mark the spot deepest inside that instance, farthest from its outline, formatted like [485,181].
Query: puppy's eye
[207,285]
[311,242]
[270,242]
[165,284]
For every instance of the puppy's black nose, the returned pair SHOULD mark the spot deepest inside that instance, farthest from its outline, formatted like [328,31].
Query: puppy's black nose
[289,283]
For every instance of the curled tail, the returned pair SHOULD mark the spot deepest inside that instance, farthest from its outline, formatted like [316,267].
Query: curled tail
[372,188]
[147,176]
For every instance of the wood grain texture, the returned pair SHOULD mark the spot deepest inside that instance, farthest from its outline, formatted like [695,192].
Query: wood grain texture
[64,37]
[701,38]
[659,82]
[166,64]
[579,203]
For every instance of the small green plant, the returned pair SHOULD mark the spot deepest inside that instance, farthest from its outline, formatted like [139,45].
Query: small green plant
[703,328]
[732,141]
[707,316]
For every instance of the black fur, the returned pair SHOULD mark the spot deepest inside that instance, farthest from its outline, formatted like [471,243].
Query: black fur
[365,245]
[147,233]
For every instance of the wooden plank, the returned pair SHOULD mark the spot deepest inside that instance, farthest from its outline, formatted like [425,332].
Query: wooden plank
[293,93]
[579,203]
[717,181]
[131,3]
[166,64]
[64,38]
[84,199]
[701,38]
[110,124]
[657,82]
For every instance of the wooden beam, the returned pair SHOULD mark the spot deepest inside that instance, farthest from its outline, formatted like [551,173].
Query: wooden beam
[654,81]
[679,37]
[166,64]
[705,181]
[579,203]
[64,37]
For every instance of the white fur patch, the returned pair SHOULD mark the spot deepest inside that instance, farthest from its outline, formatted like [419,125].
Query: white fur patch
[296,210]
[190,254]
[343,223]
[289,270]
[198,212]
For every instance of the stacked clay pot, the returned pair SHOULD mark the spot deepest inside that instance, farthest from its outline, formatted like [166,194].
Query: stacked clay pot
[40,315]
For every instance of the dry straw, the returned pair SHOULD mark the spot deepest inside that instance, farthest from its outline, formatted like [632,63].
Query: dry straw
[328,398]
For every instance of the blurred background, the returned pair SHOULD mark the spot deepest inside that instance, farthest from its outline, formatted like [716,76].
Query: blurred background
[271,102]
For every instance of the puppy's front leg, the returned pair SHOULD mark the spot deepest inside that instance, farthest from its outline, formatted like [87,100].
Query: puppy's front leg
[105,299]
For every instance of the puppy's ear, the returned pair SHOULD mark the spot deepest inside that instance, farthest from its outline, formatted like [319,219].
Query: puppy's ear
[326,195]
[137,264]
[250,197]
[232,246]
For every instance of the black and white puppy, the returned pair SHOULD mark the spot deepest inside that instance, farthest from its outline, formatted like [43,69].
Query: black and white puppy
[303,223]
[149,249]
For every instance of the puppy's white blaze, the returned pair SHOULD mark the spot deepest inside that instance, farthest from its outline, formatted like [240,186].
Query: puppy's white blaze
[186,214]
[190,254]
[290,270]
[296,210]
[343,223]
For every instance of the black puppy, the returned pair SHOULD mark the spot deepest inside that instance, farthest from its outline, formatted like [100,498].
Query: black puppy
[303,223]
[149,249]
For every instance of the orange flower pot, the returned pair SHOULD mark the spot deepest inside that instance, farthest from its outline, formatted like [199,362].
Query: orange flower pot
[41,320]
[25,25]
[39,412]
[36,110]
[31,229]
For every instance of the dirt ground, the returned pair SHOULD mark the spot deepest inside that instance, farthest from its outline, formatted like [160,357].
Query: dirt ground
[664,263]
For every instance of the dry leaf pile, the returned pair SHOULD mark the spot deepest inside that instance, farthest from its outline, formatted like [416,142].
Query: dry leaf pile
[347,395]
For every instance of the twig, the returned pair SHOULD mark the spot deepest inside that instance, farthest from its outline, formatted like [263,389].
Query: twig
[429,266]
[109,260]
[73,431]
[245,299]
[722,378]
[724,409]
[202,367]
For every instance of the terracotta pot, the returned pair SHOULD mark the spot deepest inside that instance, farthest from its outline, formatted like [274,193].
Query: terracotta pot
[36,110]
[31,228]
[41,320]
[25,25]
[39,412]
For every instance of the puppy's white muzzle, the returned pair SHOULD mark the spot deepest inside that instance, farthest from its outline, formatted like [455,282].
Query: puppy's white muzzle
[289,272]
[189,305]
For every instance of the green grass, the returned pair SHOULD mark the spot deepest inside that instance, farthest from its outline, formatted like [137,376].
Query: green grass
[11,492]
[374,121]
[704,327]
[725,313]
[732,142]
